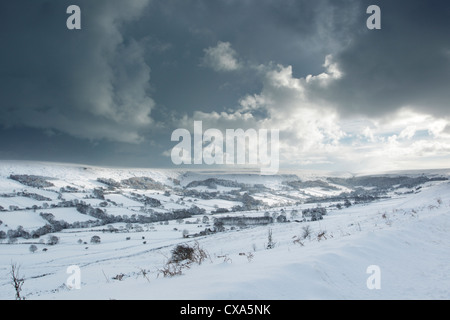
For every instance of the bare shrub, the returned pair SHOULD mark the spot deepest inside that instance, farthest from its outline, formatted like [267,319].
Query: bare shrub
[200,255]
[16,280]
[225,258]
[183,256]
[306,232]
[181,253]
[144,273]
[296,240]
[321,235]
[185,252]
[385,217]
[270,242]
[171,269]
[119,277]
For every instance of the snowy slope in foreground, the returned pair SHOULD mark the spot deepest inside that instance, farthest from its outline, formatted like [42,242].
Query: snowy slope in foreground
[406,237]
[404,233]
[414,263]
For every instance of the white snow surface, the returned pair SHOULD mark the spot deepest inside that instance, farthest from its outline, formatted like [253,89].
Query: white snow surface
[406,236]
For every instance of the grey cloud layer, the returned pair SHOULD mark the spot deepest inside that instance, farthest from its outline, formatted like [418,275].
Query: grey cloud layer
[406,64]
[141,68]
[88,83]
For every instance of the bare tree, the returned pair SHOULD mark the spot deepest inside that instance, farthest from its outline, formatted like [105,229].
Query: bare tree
[16,280]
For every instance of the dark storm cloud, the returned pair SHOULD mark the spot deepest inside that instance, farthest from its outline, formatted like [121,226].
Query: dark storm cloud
[88,83]
[39,145]
[406,64]
[286,32]
[95,83]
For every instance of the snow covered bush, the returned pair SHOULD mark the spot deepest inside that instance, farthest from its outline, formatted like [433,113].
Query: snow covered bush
[142,183]
[95,240]
[219,226]
[2,236]
[315,213]
[20,232]
[32,181]
[53,240]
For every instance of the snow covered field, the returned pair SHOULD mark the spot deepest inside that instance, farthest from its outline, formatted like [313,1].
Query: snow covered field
[404,232]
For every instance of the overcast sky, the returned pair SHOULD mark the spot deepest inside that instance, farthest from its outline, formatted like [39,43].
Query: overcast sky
[343,97]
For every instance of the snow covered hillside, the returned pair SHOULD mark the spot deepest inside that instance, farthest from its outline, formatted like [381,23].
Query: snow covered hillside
[289,236]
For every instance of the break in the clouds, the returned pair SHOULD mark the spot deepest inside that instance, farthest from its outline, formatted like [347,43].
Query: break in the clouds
[343,97]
